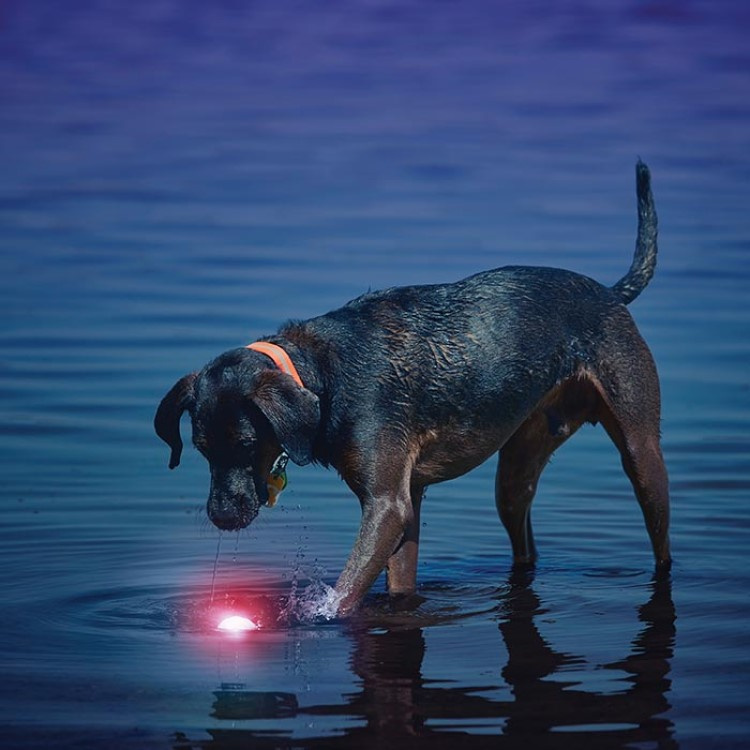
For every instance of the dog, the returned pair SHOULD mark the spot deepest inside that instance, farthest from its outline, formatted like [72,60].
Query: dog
[406,387]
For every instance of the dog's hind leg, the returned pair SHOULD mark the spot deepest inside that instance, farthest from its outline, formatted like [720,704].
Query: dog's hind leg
[644,464]
[520,465]
[630,413]
[527,452]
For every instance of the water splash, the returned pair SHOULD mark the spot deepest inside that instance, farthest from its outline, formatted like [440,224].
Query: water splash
[318,601]
[312,602]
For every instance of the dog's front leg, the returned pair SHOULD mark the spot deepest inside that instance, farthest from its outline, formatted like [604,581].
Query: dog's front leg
[401,569]
[385,519]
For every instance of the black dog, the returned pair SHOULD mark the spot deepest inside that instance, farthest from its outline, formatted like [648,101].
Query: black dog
[406,387]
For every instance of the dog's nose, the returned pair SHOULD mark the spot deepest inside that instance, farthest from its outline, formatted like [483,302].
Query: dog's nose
[227,521]
[229,516]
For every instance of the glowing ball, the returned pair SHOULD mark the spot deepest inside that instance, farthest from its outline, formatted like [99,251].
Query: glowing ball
[237,624]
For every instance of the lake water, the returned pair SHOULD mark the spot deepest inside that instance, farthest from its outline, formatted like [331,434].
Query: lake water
[179,178]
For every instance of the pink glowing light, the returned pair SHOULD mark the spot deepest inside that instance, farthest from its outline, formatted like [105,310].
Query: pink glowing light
[237,624]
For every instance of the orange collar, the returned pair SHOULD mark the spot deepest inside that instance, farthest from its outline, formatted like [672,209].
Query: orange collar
[280,358]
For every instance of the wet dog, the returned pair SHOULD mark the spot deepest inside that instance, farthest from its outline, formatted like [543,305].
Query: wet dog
[403,388]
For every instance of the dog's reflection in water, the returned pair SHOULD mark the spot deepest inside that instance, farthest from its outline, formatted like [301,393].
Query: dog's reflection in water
[396,703]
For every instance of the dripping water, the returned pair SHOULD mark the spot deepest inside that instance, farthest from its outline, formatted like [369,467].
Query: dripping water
[216,565]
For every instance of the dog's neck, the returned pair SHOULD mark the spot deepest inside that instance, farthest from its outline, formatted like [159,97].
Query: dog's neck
[279,357]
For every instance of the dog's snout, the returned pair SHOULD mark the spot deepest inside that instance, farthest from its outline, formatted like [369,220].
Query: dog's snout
[231,515]
[232,501]
[228,519]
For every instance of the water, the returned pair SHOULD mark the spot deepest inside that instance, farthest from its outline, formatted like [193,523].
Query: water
[180,178]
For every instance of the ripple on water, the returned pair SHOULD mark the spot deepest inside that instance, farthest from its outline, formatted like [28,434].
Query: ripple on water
[161,610]
[609,573]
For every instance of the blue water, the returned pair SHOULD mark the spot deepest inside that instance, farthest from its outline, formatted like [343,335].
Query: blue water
[179,178]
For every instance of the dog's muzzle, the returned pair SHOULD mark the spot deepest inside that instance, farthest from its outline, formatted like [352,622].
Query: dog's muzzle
[232,515]
[233,502]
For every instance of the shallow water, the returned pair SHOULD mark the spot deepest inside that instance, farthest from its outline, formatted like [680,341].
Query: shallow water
[181,178]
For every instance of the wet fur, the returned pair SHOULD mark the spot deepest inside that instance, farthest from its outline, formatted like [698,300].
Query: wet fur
[411,386]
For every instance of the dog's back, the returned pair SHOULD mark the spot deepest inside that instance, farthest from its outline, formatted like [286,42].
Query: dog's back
[505,332]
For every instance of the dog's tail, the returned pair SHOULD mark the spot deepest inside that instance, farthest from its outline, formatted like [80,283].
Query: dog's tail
[644,260]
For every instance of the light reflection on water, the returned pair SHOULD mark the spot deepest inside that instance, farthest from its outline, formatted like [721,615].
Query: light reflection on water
[180,180]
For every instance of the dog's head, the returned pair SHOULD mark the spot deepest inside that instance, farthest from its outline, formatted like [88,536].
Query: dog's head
[244,414]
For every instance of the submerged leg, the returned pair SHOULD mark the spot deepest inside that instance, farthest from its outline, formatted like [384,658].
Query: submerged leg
[401,571]
[524,456]
[385,519]
[635,432]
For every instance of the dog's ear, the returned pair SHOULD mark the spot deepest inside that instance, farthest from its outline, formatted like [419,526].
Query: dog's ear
[167,419]
[293,411]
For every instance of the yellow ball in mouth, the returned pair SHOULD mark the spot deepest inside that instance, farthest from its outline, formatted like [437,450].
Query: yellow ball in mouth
[236,624]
